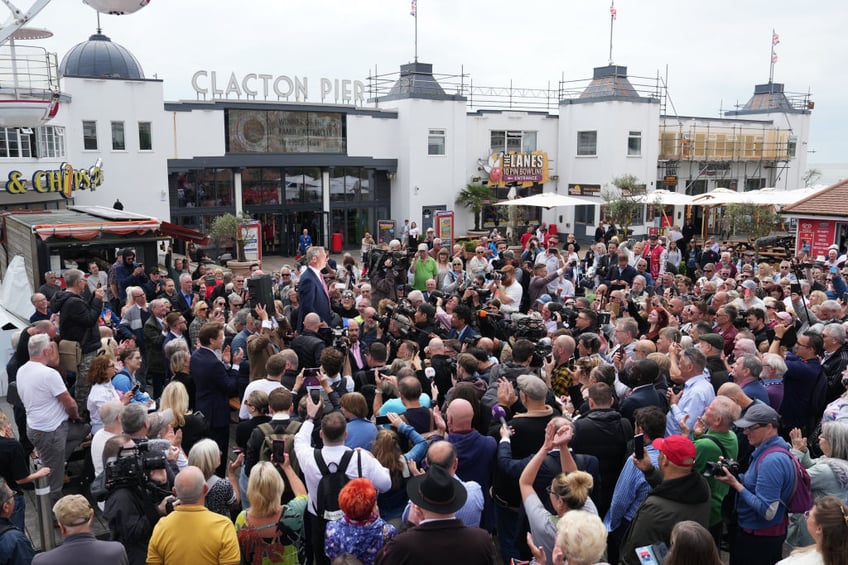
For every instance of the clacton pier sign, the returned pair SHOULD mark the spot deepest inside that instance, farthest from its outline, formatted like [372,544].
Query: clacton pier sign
[257,86]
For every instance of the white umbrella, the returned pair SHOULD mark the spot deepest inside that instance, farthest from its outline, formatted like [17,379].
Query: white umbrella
[548,200]
[666,197]
[779,197]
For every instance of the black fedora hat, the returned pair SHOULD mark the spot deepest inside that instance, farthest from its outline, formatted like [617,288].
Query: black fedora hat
[437,491]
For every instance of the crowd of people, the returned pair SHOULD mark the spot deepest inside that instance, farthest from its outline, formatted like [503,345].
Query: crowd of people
[661,399]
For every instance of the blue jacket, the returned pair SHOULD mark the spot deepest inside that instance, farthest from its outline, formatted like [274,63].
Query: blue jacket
[15,547]
[123,383]
[768,486]
[798,384]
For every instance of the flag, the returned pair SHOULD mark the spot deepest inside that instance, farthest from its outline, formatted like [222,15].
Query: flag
[775,39]
[613,11]
[413,9]
[774,58]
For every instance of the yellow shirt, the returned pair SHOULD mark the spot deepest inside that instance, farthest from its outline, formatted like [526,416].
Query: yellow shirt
[193,534]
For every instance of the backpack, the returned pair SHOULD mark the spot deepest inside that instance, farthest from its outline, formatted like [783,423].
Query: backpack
[270,434]
[331,484]
[801,498]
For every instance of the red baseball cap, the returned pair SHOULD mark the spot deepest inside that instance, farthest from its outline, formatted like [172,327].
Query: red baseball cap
[678,449]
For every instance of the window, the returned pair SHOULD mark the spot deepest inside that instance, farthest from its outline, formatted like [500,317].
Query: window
[118,141]
[513,141]
[145,136]
[89,135]
[16,142]
[51,142]
[436,142]
[634,144]
[587,143]
[792,146]
[754,184]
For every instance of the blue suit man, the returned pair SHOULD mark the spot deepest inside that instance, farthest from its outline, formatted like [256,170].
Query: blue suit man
[215,381]
[311,289]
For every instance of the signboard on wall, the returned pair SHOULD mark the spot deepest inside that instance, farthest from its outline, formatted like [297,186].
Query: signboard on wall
[524,168]
[385,231]
[444,228]
[277,131]
[584,190]
[815,236]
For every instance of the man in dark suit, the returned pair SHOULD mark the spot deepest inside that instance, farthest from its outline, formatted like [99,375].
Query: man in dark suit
[312,290]
[216,380]
[435,497]
[153,342]
[643,373]
[185,297]
[356,350]
[621,273]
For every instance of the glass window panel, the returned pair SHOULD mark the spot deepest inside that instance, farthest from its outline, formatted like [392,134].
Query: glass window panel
[145,136]
[118,141]
[89,135]
[498,140]
[436,142]
[634,144]
[513,141]
[528,142]
[587,142]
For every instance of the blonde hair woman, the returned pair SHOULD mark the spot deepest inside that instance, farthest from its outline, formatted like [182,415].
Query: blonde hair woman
[268,532]
[568,491]
[192,426]
[222,495]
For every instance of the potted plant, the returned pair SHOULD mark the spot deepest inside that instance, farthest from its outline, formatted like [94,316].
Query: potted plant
[475,197]
[225,231]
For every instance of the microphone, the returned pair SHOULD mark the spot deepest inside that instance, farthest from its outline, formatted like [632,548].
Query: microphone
[499,413]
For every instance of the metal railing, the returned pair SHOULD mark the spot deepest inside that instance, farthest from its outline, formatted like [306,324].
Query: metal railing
[28,71]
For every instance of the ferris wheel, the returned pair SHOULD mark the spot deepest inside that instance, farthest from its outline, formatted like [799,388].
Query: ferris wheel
[29,76]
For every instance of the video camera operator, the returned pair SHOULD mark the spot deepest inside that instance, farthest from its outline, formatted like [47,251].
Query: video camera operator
[137,493]
[476,293]
[507,289]
[384,272]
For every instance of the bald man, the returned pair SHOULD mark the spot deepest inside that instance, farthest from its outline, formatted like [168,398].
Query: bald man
[475,452]
[309,345]
[443,454]
[561,353]
[192,533]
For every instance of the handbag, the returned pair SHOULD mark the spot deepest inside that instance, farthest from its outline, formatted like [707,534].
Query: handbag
[70,355]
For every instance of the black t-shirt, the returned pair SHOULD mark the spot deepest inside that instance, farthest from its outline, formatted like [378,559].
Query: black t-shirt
[13,463]
[419,418]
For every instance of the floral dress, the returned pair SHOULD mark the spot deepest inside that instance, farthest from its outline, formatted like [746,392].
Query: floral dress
[363,540]
[274,544]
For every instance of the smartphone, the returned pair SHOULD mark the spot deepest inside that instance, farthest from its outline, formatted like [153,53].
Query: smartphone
[135,389]
[315,395]
[278,451]
[382,420]
[639,446]
[795,288]
[236,450]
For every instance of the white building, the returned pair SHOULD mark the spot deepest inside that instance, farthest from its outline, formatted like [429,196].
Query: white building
[340,168]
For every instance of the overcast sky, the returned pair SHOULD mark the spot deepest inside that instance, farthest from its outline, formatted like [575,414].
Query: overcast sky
[716,51]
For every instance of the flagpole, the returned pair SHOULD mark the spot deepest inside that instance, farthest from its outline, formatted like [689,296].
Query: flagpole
[772,57]
[612,21]
[416,32]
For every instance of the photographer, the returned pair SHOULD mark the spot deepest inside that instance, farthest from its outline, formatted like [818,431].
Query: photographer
[135,498]
[441,364]
[540,281]
[384,276]
[424,328]
[507,289]
[714,438]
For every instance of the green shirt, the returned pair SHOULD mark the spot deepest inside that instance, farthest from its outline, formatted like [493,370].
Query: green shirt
[707,450]
[427,269]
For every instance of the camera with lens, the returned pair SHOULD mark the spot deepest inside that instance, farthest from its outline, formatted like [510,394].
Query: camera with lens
[340,340]
[434,297]
[494,276]
[542,350]
[741,321]
[133,465]
[721,467]
[603,318]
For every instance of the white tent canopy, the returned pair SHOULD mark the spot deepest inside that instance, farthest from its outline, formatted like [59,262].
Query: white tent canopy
[666,197]
[548,200]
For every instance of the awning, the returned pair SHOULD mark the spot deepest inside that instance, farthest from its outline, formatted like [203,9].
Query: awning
[183,233]
[88,231]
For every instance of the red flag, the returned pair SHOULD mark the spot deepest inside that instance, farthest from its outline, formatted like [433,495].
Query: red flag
[413,9]
[775,39]
[613,12]
[774,58]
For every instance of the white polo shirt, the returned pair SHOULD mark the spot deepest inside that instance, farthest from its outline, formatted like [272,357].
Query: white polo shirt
[39,386]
